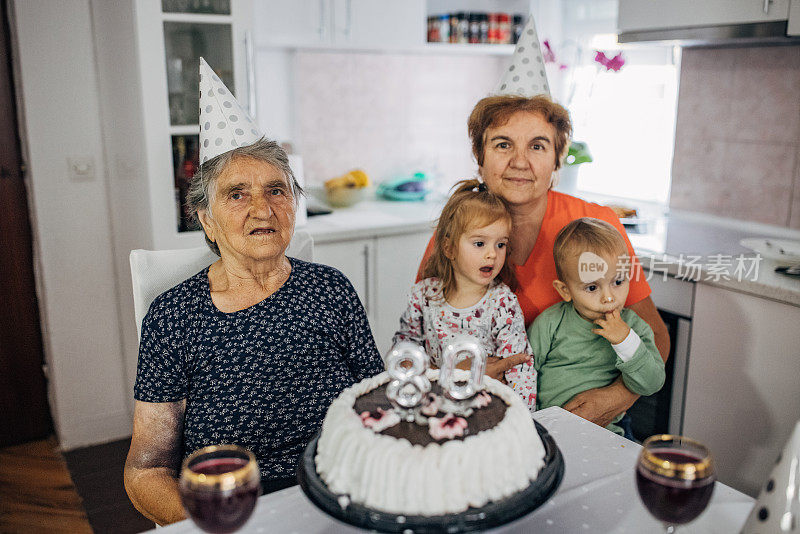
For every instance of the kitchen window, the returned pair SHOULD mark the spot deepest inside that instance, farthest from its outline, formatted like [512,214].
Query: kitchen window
[627,117]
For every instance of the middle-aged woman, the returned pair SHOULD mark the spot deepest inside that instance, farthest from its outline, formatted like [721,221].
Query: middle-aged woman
[519,142]
[250,350]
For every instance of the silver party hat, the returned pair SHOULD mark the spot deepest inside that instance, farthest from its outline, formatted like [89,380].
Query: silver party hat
[224,124]
[526,75]
[778,506]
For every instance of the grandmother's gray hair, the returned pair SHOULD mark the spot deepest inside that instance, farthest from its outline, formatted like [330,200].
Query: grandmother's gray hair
[203,185]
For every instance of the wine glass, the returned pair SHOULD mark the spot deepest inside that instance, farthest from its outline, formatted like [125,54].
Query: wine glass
[219,487]
[675,478]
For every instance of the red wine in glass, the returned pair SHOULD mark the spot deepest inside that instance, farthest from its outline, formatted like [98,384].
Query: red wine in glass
[675,479]
[219,487]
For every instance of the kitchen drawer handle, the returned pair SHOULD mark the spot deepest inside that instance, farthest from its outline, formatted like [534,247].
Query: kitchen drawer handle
[251,74]
[766,5]
[349,22]
[366,278]
[321,27]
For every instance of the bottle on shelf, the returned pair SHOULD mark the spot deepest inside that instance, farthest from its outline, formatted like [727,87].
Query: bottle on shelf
[516,28]
[474,28]
[444,28]
[503,28]
[484,28]
[463,27]
[493,37]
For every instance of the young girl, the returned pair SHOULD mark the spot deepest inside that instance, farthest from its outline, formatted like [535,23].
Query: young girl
[466,290]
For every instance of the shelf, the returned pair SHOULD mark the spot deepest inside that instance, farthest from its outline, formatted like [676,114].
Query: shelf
[188,129]
[426,48]
[466,48]
[197,18]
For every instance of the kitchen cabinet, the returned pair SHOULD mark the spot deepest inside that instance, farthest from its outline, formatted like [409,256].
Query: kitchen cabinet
[638,15]
[382,269]
[146,55]
[353,258]
[742,392]
[169,42]
[368,24]
[397,259]
[663,411]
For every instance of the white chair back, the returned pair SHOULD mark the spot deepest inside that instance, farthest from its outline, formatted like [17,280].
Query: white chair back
[155,271]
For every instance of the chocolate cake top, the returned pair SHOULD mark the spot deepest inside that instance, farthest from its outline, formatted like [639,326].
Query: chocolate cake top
[481,419]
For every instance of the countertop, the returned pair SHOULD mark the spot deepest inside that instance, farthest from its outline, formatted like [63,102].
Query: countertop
[706,249]
[374,218]
[698,247]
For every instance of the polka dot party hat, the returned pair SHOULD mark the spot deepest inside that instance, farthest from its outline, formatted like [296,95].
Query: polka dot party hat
[526,75]
[224,124]
[778,506]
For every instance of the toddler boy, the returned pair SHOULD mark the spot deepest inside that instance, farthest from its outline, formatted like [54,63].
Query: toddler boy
[589,339]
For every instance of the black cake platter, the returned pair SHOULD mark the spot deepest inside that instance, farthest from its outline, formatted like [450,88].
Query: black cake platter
[473,519]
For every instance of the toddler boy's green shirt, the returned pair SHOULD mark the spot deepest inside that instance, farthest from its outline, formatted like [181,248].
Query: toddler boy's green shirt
[569,358]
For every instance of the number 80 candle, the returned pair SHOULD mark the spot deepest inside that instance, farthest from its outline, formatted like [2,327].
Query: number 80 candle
[409,384]
[470,348]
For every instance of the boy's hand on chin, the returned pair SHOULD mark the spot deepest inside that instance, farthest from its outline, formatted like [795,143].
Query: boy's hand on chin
[612,327]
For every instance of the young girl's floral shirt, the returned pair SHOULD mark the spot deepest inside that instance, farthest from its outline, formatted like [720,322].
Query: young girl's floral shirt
[496,321]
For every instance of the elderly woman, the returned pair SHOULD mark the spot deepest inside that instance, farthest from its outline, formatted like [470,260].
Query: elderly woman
[250,350]
[519,143]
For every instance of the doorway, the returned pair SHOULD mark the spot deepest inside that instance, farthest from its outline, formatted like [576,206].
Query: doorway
[23,388]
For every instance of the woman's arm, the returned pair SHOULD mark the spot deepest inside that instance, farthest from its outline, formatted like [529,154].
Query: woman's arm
[359,351]
[602,405]
[153,464]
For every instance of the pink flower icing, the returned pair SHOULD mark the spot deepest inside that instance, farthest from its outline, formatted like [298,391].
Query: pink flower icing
[431,404]
[383,420]
[480,400]
[447,427]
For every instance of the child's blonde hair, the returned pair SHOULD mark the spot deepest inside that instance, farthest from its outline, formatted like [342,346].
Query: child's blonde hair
[586,235]
[470,206]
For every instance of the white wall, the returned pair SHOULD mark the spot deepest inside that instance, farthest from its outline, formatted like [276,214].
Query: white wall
[123,139]
[73,235]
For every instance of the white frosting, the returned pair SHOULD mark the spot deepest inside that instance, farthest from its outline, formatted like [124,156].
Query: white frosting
[392,475]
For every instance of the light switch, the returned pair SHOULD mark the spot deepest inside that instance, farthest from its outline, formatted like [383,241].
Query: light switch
[81,168]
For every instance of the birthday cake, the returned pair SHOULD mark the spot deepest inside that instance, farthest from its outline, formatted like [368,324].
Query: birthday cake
[450,457]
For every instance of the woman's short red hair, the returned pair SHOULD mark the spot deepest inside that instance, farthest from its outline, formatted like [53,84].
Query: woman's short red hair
[497,110]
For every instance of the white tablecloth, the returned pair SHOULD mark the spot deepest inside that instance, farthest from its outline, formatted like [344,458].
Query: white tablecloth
[598,494]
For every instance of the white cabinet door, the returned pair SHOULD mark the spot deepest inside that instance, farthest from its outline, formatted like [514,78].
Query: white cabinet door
[743,387]
[354,259]
[396,261]
[375,24]
[649,15]
[379,23]
[292,23]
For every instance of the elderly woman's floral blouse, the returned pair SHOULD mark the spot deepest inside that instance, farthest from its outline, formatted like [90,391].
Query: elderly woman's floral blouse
[262,377]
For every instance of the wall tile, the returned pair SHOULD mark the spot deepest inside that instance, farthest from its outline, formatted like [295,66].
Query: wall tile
[737,134]
[794,216]
[389,114]
[766,94]
[759,179]
[705,96]
[698,180]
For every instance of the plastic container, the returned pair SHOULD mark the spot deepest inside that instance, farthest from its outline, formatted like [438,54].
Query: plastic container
[344,197]
[405,188]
